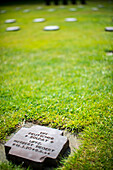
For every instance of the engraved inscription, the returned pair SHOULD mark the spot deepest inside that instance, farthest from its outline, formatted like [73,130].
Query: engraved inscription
[36,146]
[36,140]
[42,136]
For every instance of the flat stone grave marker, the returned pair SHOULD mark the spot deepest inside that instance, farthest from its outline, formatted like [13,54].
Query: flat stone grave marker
[8,21]
[72,9]
[3,11]
[39,20]
[100,6]
[109,53]
[62,7]
[51,28]
[51,10]
[80,6]
[15,28]
[70,19]
[110,29]
[39,8]
[18,8]
[36,146]
[26,10]
[94,9]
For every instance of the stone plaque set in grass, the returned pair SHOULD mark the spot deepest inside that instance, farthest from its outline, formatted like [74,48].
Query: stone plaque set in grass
[51,28]
[8,21]
[26,10]
[94,9]
[109,29]
[72,9]
[3,11]
[15,28]
[39,20]
[39,8]
[37,146]
[51,10]
[70,19]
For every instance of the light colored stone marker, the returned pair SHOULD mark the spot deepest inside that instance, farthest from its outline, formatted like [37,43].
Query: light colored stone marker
[62,7]
[110,29]
[15,28]
[94,9]
[51,10]
[51,28]
[110,53]
[70,19]
[39,20]
[72,9]
[39,8]
[3,11]
[18,8]
[26,10]
[8,21]
[80,6]
[100,6]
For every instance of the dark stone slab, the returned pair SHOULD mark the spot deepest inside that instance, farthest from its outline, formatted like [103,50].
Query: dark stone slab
[15,28]
[110,29]
[51,28]
[36,146]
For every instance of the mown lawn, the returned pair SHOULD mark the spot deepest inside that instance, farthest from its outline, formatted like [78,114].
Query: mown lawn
[61,79]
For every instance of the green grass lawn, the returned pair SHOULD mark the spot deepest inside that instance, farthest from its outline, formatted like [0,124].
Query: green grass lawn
[61,79]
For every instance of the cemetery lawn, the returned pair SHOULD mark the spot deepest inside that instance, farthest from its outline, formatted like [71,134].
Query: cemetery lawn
[61,79]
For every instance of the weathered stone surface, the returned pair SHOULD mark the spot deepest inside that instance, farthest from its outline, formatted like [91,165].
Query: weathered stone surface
[39,20]
[10,21]
[110,29]
[70,19]
[16,28]
[36,146]
[51,28]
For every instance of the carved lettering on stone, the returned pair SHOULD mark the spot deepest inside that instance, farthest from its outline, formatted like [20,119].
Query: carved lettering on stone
[36,145]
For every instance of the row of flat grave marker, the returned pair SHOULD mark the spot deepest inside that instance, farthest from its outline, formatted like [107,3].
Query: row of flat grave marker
[53,27]
[52,9]
[39,20]
[47,28]
[36,146]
